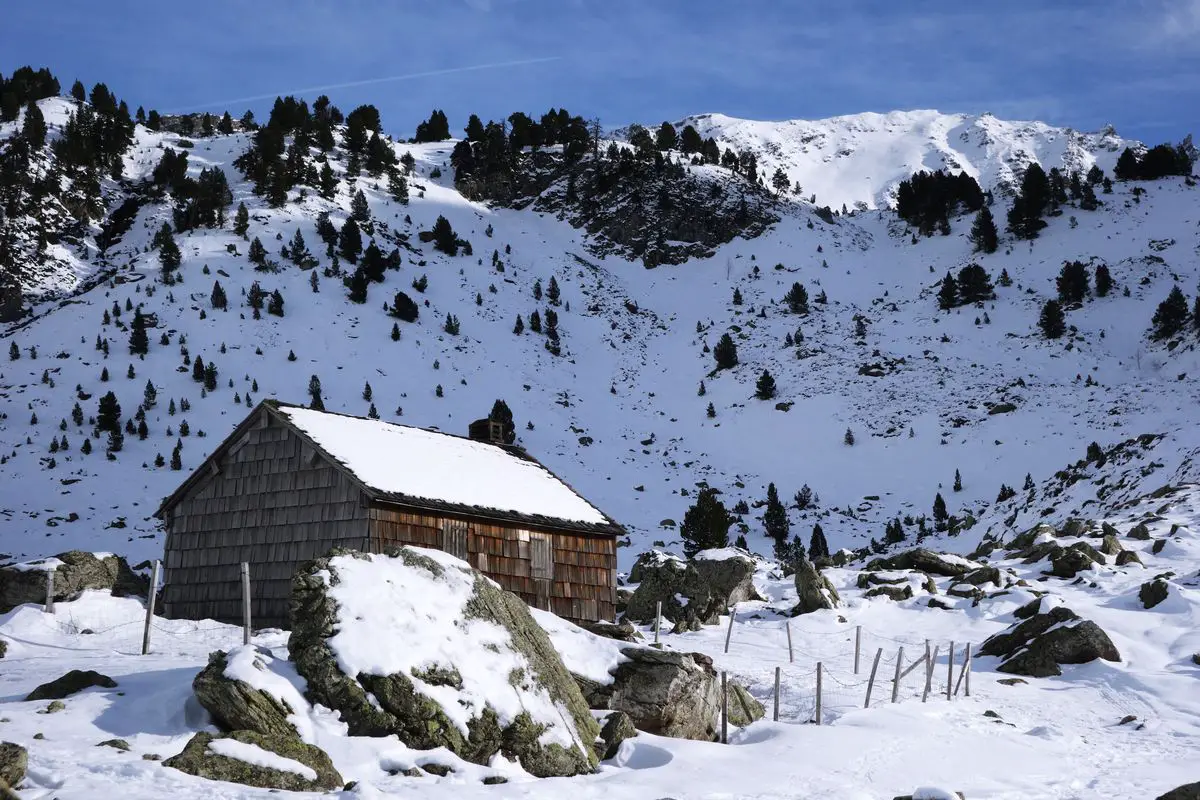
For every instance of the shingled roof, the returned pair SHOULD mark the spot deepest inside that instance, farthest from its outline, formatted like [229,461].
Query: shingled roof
[420,468]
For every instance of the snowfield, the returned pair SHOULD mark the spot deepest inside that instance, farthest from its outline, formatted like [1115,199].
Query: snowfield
[1044,738]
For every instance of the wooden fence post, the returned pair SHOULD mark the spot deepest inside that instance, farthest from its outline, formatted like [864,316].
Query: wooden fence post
[150,598]
[857,645]
[724,710]
[871,680]
[791,657]
[657,619]
[896,680]
[49,607]
[964,672]
[967,667]
[929,662]
[818,692]
[775,718]
[245,602]
[950,673]
[729,631]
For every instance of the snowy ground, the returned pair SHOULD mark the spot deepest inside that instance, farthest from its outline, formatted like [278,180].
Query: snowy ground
[1054,738]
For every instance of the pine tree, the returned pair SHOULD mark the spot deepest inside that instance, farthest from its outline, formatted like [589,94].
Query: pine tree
[149,397]
[257,253]
[939,509]
[737,296]
[1171,315]
[797,299]
[108,413]
[358,286]
[817,546]
[1028,482]
[948,294]
[176,457]
[1103,281]
[983,232]
[14,352]
[725,352]
[765,388]
[217,298]
[1004,279]
[298,250]
[957,481]
[705,525]
[350,241]
[848,439]
[241,220]
[974,284]
[444,237]
[711,411]
[1052,322]
[275,304]
[360,210]
[169,256]
[1072,283]
[552,291]
[519,327]
[775,518]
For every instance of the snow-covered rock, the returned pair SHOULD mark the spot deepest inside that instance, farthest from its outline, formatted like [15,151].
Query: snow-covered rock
[419,645]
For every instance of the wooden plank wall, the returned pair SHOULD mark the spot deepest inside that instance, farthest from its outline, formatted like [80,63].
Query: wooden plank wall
[584,585]
[271,505]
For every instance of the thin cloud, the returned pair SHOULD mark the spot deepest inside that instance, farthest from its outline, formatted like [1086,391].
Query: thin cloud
[369,82]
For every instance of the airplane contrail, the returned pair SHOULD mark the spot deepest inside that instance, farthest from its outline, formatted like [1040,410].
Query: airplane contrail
[370,81]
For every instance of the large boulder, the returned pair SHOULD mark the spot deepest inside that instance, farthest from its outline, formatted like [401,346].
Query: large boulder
[688,600]
[1190,791]
[252,759]
[978,577]
[663,692]
[13,763]
[236,705]
[1154,592]
[947,565]
[1042,641]
[74,572]
[73,682]
[896,593]
[616,729]
[1074,559]
[417,644]
[743,707]
[730,574]
[815,592]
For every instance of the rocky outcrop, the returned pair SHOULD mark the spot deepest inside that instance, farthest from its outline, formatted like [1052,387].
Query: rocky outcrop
[236,706]
[1128,557]
[1154,592]
[14,761]
[1042,641]
[616,729]
[743,708]
[896,593]
[687,599]
[729,573]
[1067,563]
[1190,791]
[978,577]
[71,683]
[74,572]
[663,692]
[815,592]
[620,631]
[927,561]
[490,627]
[310,767]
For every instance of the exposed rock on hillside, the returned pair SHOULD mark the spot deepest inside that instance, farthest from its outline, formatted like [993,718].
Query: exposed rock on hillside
[1037,646]
[438,655]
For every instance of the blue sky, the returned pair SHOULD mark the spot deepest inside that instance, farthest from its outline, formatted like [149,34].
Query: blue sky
[1133,63]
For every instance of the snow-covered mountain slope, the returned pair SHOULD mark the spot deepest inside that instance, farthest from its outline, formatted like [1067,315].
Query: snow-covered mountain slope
[861,158]
[619,414]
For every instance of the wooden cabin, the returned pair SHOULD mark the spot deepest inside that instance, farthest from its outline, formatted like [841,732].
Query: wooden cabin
[291,483]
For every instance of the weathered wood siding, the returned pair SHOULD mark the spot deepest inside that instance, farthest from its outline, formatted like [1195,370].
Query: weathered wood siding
[273,504]
[583,586]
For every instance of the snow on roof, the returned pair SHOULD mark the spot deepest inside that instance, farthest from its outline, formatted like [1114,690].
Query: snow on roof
[442,468]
